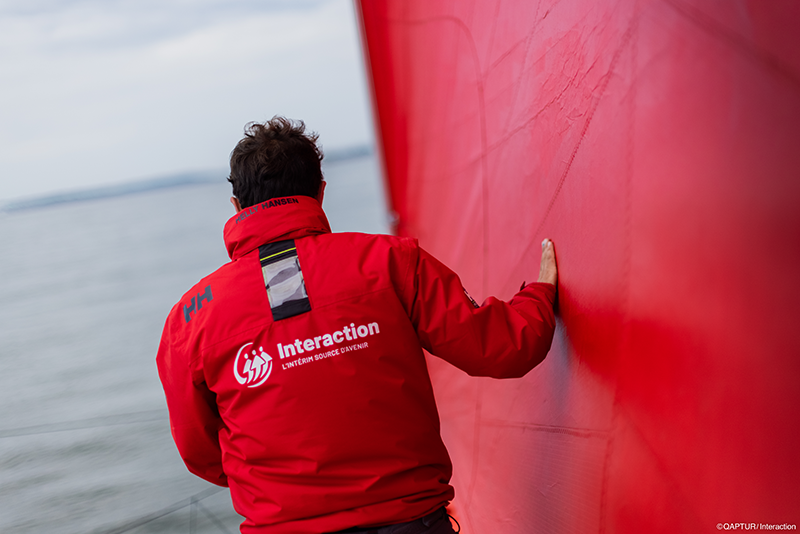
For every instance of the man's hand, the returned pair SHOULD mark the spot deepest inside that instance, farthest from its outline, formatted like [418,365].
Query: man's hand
[548,272]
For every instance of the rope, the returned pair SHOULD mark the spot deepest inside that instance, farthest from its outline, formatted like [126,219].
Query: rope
[194,499]
[126,419]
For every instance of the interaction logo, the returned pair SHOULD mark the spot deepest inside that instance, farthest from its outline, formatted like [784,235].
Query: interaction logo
[252,367]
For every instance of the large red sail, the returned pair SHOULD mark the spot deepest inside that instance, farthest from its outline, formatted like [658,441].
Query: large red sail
[658,143]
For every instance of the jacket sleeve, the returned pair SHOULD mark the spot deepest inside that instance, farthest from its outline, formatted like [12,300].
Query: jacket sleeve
[497,339]
[194,419]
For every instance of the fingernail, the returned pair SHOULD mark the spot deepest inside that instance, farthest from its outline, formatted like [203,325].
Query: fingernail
[544,243]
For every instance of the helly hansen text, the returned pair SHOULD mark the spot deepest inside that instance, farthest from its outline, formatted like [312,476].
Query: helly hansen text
[246,212]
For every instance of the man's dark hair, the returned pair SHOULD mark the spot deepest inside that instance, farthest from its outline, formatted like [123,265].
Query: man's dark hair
[275,159]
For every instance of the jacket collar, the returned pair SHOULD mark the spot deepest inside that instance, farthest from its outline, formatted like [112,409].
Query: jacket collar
[274,220]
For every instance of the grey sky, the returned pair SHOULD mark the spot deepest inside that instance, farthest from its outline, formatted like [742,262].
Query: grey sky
[101,91]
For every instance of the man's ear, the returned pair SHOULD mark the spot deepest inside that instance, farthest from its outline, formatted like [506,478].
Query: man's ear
[321,193]
[236,205]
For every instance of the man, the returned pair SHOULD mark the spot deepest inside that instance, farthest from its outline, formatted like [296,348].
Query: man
[295,373]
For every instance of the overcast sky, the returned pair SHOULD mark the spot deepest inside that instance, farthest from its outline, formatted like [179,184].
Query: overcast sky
[101,91]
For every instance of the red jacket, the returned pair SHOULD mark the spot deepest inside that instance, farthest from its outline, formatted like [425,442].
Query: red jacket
[310,398]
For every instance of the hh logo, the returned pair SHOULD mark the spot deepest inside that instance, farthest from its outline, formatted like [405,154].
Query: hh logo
[197,303]
[252,367]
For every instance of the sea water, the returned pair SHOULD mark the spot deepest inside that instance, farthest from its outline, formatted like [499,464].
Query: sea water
[85,288]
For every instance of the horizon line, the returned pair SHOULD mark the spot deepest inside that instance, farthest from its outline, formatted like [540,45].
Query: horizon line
[150,184]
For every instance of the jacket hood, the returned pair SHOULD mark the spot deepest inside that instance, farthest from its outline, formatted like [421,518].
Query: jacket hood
[274,220]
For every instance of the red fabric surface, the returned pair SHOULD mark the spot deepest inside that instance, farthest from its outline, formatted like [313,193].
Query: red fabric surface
[657,142]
